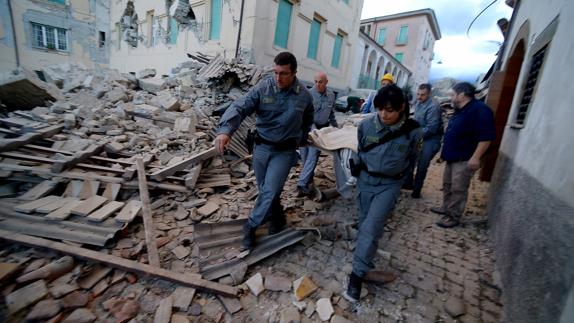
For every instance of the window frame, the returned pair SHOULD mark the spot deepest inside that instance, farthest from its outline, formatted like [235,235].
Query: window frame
[402,56]
[277,38]
[212,13]
[341,38]
[384,32]
[317,40]
[399,40]
[57,38]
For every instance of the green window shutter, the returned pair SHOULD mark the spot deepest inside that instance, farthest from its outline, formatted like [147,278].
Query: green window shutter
[403,35]
[399,57]
[283,23]
[173,31]
[314,39]
[381,37]
[346,1]
[58,1]
[337,51]
[215,28]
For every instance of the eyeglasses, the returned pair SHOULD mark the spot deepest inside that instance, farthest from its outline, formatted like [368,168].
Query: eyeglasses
[283,74]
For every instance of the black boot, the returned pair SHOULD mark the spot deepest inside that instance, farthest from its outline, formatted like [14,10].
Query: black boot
[277,223]
[353,293]
[248,241]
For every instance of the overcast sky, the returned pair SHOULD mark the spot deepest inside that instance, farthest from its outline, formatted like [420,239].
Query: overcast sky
[456,55]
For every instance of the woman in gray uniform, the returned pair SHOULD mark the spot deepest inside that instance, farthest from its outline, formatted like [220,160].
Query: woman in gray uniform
[386,141]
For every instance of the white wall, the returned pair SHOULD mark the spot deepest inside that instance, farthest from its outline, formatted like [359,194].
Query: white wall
[545,146]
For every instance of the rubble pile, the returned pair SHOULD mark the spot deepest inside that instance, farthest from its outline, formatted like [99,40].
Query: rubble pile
[68,173]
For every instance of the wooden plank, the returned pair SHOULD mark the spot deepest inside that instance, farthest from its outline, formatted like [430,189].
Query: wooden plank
[105,211]
[54,205]
[89,189]
[60,165]
[31,206]
[192,177]
[131,171]
[195,159]
[73,189]
[187,279]
[63,212]
[40,190]
[163,311]
[153,255]
[89,205]
[10,144]
[27,157]
[129,212]
[111,191]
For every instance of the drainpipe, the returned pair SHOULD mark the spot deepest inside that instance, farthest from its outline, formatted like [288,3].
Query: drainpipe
[14,34]
[239,32]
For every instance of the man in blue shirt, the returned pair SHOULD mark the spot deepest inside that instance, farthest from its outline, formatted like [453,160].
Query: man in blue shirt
[369,107]
[468,135]
[324,103]
[284,109]
[428,115]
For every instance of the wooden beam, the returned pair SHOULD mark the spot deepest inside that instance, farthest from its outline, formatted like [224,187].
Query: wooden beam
[60,165]
[10,144]
[191,280]
[153,255]
[170,170]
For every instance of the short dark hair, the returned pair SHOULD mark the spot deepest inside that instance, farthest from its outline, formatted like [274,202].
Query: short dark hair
[286,58]
[425,86]
[389,97]
[465,88]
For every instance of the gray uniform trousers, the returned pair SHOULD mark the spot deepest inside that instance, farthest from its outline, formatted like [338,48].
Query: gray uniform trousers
[309,159]
[271,168]
[456,180]
[375,203]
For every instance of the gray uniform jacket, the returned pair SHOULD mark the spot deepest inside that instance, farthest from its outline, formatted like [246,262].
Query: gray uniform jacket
[428,115]
[388,159]
[324,104]
[281,114]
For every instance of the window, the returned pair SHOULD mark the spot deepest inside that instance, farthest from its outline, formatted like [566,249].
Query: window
[368,32]
[314,39]
[283,23]
[58,1]
[399,57]
[362,28]
[539,48]
[50,37]
[337,51]
[215,27]
[381,37]
[173,30]
[102,39]
[403,35]
[346,1]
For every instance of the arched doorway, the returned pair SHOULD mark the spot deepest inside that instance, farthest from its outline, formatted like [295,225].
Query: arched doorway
[506,85]
[388,68]
[379,74]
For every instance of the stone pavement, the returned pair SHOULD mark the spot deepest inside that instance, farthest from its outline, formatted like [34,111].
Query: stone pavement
[437,268]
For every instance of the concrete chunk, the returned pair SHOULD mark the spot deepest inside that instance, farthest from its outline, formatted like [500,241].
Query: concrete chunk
[255,284]
[303,287]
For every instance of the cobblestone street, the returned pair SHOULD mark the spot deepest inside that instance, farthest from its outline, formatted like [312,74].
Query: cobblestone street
[436,268]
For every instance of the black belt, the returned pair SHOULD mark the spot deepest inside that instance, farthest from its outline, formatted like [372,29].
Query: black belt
[289,144]
[381,175]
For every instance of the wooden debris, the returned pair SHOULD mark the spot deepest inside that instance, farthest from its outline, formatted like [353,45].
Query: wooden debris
[195,159]
[192,177]
[60,165]
[129,212]
[54,205]
[73,189]
[89,189]
[63,212]
[104,212]
[111,191]
[187,279]
[153,255]
[32,206]
[10,144]
[163,312]
[89,205]
[40,190]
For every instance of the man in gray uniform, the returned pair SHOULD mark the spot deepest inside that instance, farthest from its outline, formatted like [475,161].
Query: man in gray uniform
[284,110]
[324,103]
[428,115]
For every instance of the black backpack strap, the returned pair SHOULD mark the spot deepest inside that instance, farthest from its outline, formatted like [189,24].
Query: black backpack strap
[406,128]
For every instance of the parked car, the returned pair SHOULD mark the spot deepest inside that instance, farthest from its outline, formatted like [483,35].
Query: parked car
[342,105]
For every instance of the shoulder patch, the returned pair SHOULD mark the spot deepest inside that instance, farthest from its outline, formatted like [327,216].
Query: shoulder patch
[267,99]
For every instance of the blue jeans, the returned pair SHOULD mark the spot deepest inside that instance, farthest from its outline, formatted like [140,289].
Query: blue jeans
[429,149]
[309,159]
[375,204]
[271,169]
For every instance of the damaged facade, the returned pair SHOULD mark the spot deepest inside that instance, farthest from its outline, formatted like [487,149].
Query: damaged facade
[530,201]
[320,34]
[34,34]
